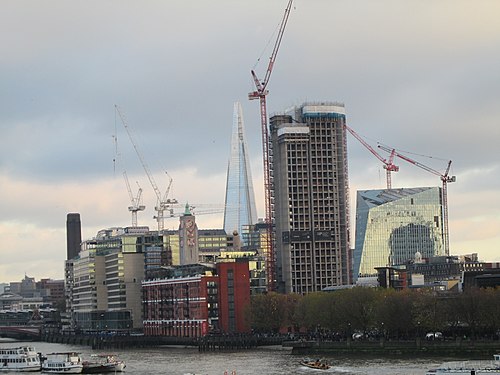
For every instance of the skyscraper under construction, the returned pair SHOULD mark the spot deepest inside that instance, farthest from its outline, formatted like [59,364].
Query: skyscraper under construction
[311,198]
[240,209]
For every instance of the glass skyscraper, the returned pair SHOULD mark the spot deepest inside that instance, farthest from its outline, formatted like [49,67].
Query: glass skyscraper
[392,225]
[240,209]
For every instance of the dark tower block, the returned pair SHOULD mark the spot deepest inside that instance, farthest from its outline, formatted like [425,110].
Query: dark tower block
[73,235]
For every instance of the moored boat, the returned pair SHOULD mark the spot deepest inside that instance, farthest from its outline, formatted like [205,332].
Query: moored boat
[63,363]
[100,363]
[315,364]
[21,359]
[468,367]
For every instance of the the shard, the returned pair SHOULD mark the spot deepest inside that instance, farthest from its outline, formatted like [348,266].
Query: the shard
[240,209]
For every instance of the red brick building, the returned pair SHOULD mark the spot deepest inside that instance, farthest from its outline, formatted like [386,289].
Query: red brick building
[234,295]
[191,306]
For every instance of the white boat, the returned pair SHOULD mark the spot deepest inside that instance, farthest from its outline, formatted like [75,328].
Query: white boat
[22,359]
[99,363]
[468,367]
[63,363]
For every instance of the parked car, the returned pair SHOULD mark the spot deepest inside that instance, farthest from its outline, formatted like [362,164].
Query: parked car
[434,336]
[358,336]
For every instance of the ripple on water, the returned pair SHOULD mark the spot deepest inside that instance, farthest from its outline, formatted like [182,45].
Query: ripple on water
[265,361]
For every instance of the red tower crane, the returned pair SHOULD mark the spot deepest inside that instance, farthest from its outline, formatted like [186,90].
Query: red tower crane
[445,178]
[389,166]
[261,93]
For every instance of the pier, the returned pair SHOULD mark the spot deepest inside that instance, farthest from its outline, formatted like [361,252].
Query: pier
[206,343]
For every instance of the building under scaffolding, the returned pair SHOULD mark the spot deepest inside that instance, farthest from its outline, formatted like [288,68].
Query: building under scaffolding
[311,199]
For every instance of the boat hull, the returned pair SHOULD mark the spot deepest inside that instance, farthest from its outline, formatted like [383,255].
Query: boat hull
[62,363]
[101,368]
[20,359]
[65,370]
[315,365]
[19,369]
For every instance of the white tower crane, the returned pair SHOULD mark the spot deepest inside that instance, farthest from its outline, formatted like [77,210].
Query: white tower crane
[162,202]
[135,201]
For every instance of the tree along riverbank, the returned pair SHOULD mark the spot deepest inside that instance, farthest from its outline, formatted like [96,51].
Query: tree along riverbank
[460,348]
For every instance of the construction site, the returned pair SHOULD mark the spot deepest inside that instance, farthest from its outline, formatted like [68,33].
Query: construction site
[307,225]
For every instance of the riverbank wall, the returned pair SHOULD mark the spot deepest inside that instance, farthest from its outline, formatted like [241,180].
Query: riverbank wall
[458,348]
[206,343]
[382,348]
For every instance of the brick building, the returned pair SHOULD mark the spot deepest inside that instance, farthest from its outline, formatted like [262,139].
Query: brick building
[194,304]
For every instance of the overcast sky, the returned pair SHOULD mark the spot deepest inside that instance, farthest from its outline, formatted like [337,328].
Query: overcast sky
[419,75]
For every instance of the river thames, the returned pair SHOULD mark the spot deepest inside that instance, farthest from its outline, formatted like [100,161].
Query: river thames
[262,361]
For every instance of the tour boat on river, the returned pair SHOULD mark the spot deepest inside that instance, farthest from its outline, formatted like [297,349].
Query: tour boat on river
[21,359]
[63,363]
[468,367]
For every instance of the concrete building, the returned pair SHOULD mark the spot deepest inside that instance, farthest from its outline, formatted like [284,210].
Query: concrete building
[393,225]
[442,274]
[240,208]
[107,277]
[210,244]
[188,238]
[53,292]
[73,243]
[311,200]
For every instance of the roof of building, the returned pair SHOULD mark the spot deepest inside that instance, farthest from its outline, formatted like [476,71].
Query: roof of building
[382,196]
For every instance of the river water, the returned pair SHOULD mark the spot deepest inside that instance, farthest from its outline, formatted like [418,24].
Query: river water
[264,361]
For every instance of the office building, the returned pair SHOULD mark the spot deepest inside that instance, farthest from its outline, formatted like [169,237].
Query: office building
[240,209]
[211,242]
[107,276]
[393,225]
[310,196]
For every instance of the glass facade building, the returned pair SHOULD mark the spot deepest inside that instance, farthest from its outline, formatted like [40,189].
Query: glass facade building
[240,209]
[392,225]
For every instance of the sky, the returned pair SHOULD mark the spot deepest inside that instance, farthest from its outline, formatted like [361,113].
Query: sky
[422,76]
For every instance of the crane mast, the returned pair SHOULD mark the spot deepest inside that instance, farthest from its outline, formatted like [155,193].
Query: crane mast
[389,166]
[445,179]
[135,201]
[162,203]
[261,93]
